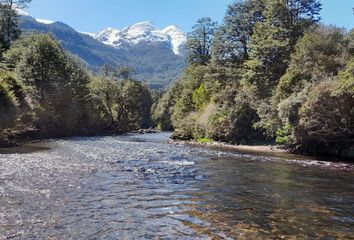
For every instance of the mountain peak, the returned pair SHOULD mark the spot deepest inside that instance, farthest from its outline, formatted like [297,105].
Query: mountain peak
[172,28]
[147,51]
[144,24]
[144,32]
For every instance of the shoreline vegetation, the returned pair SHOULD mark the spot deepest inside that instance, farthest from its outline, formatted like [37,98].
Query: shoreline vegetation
[275,151]
[263,147]
[270,72]
[45,92]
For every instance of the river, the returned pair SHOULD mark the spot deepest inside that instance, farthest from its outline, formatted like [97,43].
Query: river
[142,187]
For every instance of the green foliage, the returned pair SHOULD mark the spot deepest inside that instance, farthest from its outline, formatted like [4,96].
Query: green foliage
[316,55]
[200,41]
[55,83]
[284,135]
[56,96]
[8,109]
[9,29]
[44,89]
[327,117]
[104,94]
[273,40]
[191,80]
[345,84]
[137,102]
[204,140]
[201,96]
[320,53]
[274,75]
[121,106]
[233,37]
[164,108]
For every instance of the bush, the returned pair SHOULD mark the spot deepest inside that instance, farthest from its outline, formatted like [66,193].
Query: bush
[327,118]
[8,110]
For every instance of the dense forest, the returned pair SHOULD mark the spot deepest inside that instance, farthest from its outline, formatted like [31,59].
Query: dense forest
[269,73]
[45,92]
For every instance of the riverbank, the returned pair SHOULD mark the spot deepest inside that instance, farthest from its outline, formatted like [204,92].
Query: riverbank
[325,152]
[269,150]
[255,149]
[272,151]
[9,140]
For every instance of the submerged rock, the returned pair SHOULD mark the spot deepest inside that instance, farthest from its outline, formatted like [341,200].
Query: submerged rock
[146,131]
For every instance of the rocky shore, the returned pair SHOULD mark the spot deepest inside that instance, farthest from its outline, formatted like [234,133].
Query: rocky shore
[241,148]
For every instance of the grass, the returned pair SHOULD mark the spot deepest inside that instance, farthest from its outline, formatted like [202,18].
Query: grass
[204,140]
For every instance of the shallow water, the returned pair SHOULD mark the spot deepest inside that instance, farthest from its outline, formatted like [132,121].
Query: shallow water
[141,187]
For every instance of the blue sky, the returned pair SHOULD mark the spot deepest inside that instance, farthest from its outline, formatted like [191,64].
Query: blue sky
[94,15]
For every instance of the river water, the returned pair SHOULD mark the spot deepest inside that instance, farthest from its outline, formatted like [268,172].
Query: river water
[142,187]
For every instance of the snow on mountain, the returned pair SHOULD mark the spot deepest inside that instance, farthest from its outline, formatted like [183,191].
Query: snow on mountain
[20,12]
[44,21]
[153,59]
[89,34]
[178,38]
[108,36]
[144,32]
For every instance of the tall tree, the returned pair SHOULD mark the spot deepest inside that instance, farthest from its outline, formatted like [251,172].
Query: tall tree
[9,29]
[232,39]
[200,41]
[56,85]
[274,38]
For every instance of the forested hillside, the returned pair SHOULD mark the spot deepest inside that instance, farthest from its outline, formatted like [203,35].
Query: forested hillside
[45,92]
[269,72]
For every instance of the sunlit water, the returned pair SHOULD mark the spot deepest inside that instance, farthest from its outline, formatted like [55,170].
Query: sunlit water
[141,187]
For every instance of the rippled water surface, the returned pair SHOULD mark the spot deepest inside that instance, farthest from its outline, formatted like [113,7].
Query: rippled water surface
[141,187]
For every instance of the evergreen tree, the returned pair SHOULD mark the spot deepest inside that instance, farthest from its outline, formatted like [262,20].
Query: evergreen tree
[273,40]
[232,40]
[200,41]
[9,29]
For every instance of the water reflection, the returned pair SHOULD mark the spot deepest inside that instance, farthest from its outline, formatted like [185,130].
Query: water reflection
[138,187]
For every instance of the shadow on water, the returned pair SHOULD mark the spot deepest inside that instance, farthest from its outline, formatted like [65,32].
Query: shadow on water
[25,148]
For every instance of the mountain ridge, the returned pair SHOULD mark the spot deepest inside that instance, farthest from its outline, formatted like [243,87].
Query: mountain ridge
[149,51]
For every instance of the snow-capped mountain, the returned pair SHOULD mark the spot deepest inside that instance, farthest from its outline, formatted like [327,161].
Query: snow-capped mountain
[144,32]
[156,55]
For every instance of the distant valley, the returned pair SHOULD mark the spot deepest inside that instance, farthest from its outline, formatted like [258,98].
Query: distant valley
[157,56]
